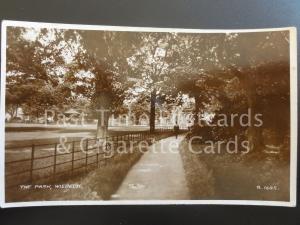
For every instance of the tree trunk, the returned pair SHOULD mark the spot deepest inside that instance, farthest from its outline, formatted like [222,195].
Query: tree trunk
[196,111]
[255,136]
[152,110]
[103,99]
[254,133]
[102,125]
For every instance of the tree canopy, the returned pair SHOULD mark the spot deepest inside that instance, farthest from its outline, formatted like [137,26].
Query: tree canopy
[112,70]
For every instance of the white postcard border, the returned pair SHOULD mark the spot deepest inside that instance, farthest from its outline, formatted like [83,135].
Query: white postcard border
[293,120]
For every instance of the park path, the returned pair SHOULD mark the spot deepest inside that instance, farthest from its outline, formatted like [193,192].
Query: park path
[158,175]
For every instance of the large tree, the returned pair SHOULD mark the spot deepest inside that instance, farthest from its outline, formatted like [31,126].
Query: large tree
[257,65]
[155,58]
[105,59]
[37,64]
[260,62]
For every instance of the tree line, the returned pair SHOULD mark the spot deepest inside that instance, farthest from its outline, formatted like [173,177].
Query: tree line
[223,73]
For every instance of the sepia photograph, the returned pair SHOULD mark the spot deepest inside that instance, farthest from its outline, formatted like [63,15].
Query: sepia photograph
[132,115]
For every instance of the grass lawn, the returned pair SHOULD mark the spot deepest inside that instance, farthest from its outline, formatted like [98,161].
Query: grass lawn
[97,184]
[54,135]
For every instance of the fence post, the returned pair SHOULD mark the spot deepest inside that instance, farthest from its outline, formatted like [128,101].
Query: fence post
[32,163]
[106,145]
[73,151]
[117,141]
[86,153]
[97,157]
[54,160]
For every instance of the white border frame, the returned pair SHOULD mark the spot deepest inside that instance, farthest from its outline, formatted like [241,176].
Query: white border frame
[293,119]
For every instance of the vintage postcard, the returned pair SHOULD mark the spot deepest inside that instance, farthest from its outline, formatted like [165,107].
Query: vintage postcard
[132,115]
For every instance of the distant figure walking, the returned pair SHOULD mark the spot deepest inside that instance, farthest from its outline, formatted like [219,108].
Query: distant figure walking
[176,129]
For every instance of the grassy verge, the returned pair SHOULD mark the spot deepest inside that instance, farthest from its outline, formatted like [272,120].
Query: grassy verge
[235,176]
[199,177]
